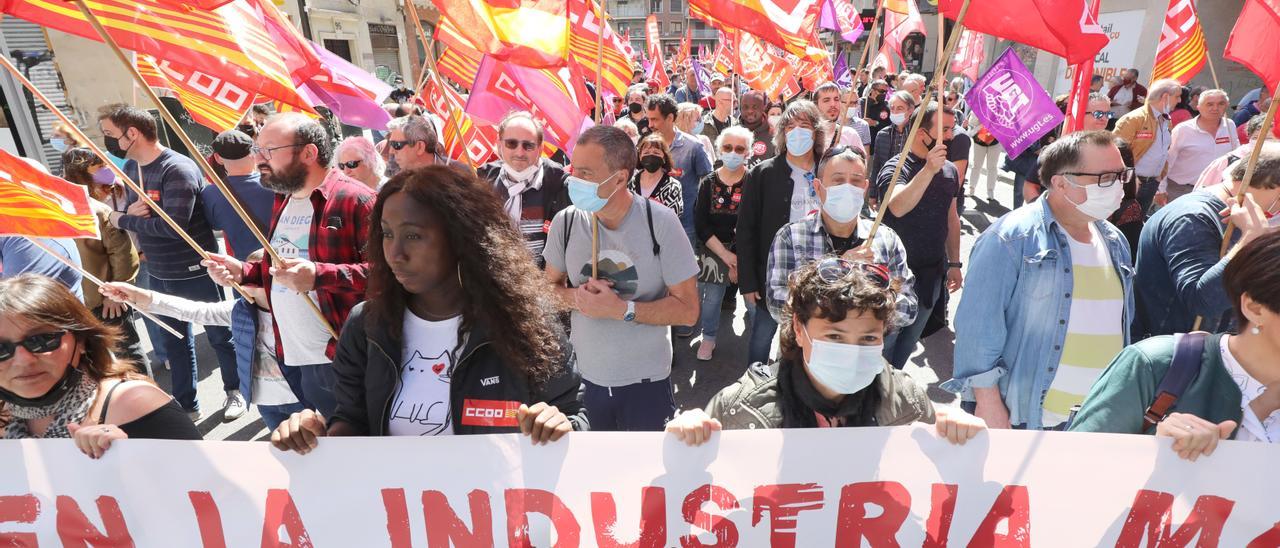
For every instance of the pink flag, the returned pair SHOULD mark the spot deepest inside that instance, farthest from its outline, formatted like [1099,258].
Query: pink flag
[557,97]
[898,26]
[354,95]
[969,54]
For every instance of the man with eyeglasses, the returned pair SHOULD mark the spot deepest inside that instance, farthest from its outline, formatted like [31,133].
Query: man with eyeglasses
[1054,300]
[1179,268]
[531,187]
[839,229]
[1097,117]
[1148,131]
[414,144]
[231,148]
[173,181]
[318,227]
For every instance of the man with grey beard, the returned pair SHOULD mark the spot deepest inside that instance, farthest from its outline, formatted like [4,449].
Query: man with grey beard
[318,227]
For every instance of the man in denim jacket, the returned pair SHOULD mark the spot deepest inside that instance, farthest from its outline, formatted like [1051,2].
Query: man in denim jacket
[1055,299]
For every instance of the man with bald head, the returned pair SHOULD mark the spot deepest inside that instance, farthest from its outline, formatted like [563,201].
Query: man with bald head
[1197,144]
[720,117]
[318,227]
[531,187]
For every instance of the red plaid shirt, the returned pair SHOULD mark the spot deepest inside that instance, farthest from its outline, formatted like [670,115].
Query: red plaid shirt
[338,237]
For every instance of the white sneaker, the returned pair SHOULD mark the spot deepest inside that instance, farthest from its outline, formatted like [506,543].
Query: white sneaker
[234,406]
[194,416]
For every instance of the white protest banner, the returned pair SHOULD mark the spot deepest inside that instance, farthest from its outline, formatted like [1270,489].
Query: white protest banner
[1123,28]
[820,487]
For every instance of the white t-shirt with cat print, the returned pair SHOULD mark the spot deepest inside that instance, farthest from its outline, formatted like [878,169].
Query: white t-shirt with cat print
[420,406]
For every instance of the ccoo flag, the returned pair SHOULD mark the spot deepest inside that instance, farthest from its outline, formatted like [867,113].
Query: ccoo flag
[1182,51]
[34,203]
[219,113]
[789,24]
[533,33]
[1012,105]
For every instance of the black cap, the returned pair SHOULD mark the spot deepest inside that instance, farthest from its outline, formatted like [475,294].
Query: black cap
[232,144]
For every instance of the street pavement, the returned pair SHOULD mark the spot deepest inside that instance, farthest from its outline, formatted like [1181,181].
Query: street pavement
[695,382]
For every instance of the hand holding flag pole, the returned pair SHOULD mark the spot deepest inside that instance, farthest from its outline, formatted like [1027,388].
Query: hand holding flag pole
[120,175]
[938,76]
[36,242]
[200,160]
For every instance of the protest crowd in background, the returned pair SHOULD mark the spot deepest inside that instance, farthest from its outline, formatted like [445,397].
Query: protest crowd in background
[469,262]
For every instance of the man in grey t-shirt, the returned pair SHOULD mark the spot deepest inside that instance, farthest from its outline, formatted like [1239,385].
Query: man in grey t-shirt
[646,282]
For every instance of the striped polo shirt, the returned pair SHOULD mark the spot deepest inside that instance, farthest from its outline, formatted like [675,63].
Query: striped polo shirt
[1094,329]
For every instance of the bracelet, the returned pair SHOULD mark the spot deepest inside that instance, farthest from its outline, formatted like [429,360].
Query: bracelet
[951,264]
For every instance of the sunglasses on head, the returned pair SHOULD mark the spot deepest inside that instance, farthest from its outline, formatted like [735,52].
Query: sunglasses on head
[1100,114]
[40,343]
[350,165]
[834,269]
[397,145]
[511,144]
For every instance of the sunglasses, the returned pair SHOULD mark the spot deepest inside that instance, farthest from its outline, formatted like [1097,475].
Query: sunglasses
[511,144]
[40,343]
[1100,114]
[397,145]
[834,269]
[350,165]
[730,148]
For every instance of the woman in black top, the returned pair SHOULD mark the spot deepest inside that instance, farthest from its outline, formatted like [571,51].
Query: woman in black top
[653,178]
[59,377]
[715,217]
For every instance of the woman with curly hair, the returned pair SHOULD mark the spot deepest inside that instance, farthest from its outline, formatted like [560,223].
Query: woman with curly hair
[59,377]
[457,334]
[831,373]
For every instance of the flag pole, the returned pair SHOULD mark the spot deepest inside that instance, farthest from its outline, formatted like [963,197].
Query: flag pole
[1242,189]
[915,124]
[866,48]
[199,159]
[941,71]
[99,283]
[602,23]
[595,247]
[120,175]
[431,61]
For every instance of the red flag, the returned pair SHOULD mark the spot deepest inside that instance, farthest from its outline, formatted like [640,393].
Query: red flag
[463,139]
[969,55]
[763,70]
[38,204]
[1182,52]
[725,57]
[898,26]
[682,56]
[1062,27]
[533,33]
[1081,81]
[789,24]
[219,113]
[197,4]
[653,40]
[1253,42]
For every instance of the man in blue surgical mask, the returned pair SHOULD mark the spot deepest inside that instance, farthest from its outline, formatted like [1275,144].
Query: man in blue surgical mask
[840,229]
[625,269]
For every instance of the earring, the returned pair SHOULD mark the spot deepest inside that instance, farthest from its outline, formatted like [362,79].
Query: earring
[1256,330]
[459,275]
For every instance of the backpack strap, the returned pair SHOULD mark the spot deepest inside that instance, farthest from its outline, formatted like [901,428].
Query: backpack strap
[568,231]
[648,212]
[1187,358]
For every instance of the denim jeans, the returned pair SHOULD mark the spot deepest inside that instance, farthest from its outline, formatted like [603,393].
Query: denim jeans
[709,317]
[154,333]
[317,388]
[760,341]
[1018,179]
[273,415]
[1147,188]
[929,282]
[641,407]
[182,352]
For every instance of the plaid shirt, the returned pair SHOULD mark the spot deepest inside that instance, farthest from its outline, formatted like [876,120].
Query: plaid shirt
[338,235]
[806,240]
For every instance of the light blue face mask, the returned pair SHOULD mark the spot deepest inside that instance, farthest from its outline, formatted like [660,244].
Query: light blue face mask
[799,141]
[698,127]
[585,195]
[732,160]
[58,144]
[843,202]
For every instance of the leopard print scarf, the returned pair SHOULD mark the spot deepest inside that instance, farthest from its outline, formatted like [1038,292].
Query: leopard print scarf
[72,408]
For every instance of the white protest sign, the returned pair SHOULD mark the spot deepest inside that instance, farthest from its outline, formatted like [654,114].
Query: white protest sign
[820,487]
[1124,28]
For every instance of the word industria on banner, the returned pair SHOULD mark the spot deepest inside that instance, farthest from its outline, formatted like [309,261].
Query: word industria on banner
[821,487]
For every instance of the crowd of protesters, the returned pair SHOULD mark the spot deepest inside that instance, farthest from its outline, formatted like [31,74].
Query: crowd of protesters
[405,292]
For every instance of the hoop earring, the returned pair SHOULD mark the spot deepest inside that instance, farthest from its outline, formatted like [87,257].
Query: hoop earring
[459,275]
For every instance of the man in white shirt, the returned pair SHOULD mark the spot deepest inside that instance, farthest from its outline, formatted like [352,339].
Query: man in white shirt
[1196,144]
[827,96]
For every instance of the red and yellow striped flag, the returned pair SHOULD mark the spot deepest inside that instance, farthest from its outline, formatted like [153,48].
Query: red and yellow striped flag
[34,203]
[218,113]
[584,33]
[460,64]
[793,27]
[462,138]
[1182,52]
[533,33]
[227,50]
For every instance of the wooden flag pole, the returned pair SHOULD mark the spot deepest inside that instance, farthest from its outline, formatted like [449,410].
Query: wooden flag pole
[106,160]
[99,283]
[431,61]
[602,23]
[866,48]
[595,247]
[941,70]
[915,124]
[197,157]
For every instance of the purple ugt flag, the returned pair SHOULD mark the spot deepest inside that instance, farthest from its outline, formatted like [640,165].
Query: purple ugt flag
[702,78]
[844,78]
[1012,105]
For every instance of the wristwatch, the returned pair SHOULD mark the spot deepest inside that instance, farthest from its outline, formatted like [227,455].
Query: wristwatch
[954,264]
[630,316]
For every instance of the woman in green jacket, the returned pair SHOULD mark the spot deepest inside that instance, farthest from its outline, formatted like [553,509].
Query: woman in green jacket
[831,373]
[1235,395]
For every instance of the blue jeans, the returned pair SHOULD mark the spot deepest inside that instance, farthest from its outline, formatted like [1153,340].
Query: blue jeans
[709,317]
[273,415]
[153,331]
[1148,187]
[317,388]
[929,281]
[1018,179]
[763,328]
[182,352]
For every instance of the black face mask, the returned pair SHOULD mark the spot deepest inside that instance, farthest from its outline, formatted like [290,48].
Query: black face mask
[651,163]
[248,129]
[113,146]
[635,108]
[932,144]
[70,379]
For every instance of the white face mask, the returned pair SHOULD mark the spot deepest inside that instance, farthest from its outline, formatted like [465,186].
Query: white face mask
[522,176]
[843,202]
[844,368]
[1099,203]
[851,113]
[898,118]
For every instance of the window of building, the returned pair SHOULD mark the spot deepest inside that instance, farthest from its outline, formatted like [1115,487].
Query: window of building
[677,6]
[677,28]
[655,5]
